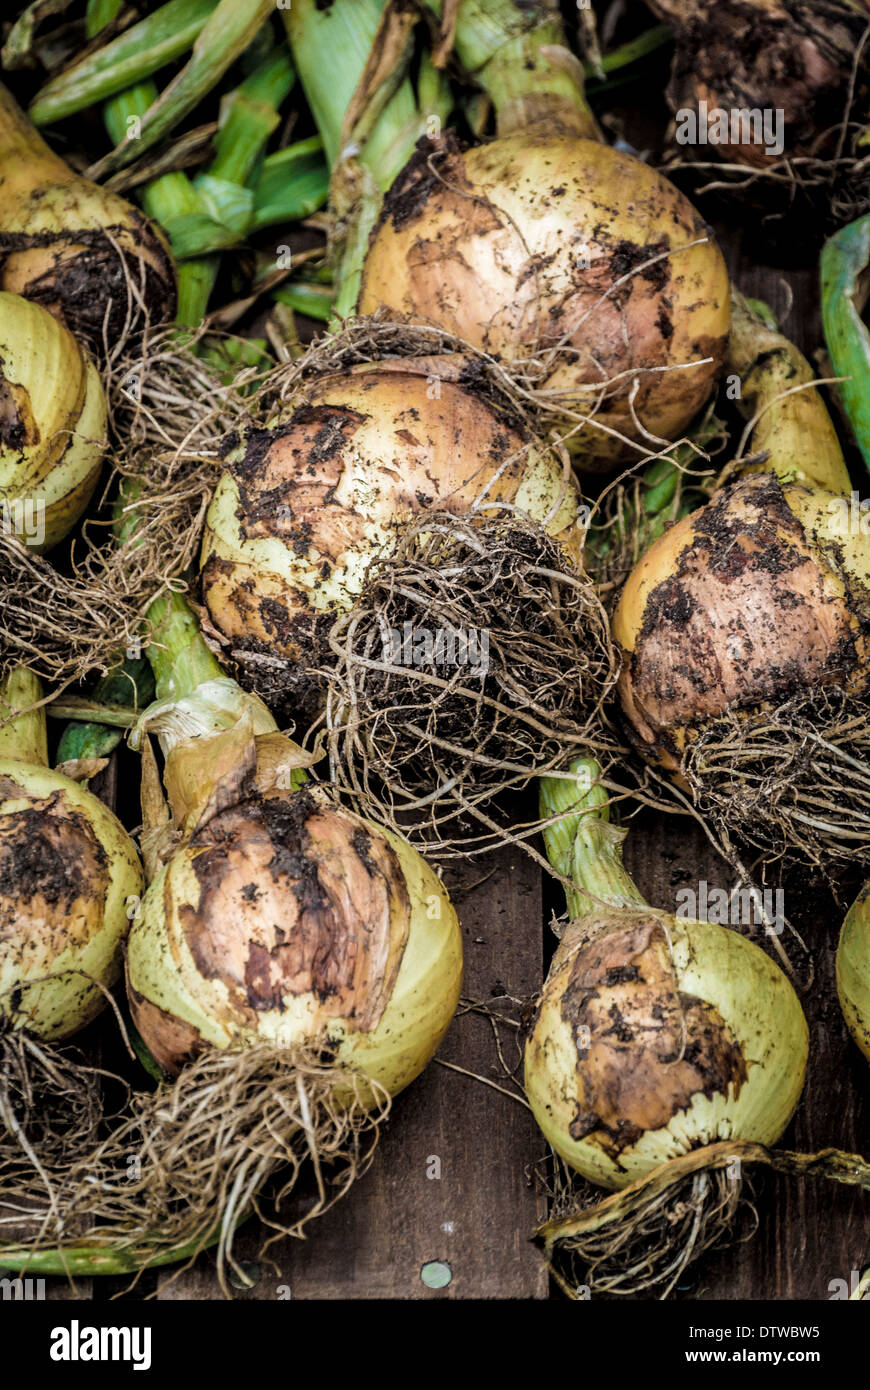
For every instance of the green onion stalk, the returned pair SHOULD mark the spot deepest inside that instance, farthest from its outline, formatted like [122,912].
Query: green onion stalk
[220,33]
[218,207]
[130,684]
[661,1046]
[370,130]
[844,265]
[551,250]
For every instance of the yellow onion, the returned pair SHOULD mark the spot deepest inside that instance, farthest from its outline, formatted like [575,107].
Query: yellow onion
[758,594]
[304,506]
[853,970]
[68,870]
[573,260]
[743,629]
[52,424]
[273,916]
[70,245]
[286,921]
[654,1035]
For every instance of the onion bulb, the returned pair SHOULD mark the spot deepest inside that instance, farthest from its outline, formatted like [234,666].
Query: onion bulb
[743,629]
[290,922]
[654,1035]
[82,252]
[853,971]
[305,505]
[52,424]
[552,251]
[276,918]
[67,871]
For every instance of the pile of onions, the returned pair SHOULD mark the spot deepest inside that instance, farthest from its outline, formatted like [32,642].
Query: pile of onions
[743,629]
[67,872]
[853,971]
[571,260]
[52,424]
[79,250]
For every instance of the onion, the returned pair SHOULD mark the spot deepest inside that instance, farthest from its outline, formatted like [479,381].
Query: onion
[853,972]
[306,505]
[52,424]
[278,919]
[654,1035]
[67,871]
[287,921]
[77,249]
[575,262]
[743,631]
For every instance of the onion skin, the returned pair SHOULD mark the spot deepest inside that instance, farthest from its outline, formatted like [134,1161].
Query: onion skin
[289,922]
[485,243]
[853,970]
[64,240]
[298,517]
[643,1091]
[756,595]
[52,421]
[67,868]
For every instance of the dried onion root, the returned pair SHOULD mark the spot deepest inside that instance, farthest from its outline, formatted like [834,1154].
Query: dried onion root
[640,1241]
[169,410]
[421,740]
[185,1165]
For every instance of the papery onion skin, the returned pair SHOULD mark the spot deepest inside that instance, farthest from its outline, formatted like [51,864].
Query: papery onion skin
[296,520]
[67,872]
[682,1048]
[853,970]
[489,244]
[288,921]
[52,424]
[68,244]
[762,592]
